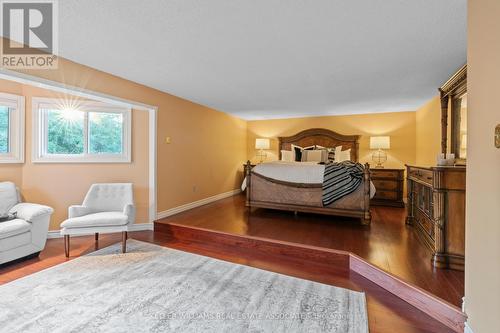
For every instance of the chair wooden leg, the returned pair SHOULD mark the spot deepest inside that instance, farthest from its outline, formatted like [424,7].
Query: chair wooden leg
[96,236]
[124,241]
[66,245]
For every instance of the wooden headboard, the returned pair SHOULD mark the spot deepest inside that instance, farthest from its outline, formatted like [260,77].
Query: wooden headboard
[322,137]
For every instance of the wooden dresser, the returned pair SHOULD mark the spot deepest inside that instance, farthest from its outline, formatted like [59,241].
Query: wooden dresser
[436,208]
[389,185]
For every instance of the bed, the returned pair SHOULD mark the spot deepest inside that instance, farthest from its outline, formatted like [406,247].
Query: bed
[270,192]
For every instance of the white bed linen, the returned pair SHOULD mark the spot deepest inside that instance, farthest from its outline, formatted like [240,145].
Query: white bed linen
[294,172]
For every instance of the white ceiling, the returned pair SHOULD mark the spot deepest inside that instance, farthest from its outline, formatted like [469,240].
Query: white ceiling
[261,59]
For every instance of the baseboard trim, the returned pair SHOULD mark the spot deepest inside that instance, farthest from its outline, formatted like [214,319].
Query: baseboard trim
[191,205]
[142,226]
[467,328]
[135,227]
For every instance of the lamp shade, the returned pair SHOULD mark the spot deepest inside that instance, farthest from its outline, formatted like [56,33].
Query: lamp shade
[380,142]
[261,143]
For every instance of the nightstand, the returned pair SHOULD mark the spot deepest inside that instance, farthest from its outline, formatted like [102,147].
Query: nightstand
[389,185]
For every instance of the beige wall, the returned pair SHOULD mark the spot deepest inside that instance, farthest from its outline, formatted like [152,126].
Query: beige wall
[482,249]
[400,126]
[208,146]
[428,131]
[11,172]
[61,185]
[204,159]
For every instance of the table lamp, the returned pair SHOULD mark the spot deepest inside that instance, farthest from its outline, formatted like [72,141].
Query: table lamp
[261,144]
[379,143]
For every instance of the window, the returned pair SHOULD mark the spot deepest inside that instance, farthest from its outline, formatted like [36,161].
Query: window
[88,132]
[11,128]
[4,129]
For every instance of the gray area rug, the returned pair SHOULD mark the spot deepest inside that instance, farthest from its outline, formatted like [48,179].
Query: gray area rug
[156,289]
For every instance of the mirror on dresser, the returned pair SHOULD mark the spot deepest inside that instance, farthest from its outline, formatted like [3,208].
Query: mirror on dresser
[454,116]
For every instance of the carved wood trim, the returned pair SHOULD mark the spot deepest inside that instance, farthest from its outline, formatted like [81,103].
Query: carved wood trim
[439,198]
[323,137]
[411,193]
[453,88]
[281,182]
[444,122]
[457,83]
[367,219]
[248,170]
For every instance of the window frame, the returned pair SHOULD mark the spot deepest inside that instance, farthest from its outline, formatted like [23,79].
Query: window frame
[40,136]
[16,128]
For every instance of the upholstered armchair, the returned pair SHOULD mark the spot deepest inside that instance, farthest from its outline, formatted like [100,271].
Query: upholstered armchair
[107,208]
[26,234]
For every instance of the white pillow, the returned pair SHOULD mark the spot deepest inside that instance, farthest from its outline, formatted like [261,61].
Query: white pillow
[343,155]
[8,197]
[287,155]
[335,151]
[338,150]
[320,155]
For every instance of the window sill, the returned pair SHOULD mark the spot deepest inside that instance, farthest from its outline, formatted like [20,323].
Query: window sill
[83,160]
[13,160]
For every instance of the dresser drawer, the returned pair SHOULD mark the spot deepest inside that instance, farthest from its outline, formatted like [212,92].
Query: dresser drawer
[386,195]
[423,175]
[388,185]
[391,174]
[425,223]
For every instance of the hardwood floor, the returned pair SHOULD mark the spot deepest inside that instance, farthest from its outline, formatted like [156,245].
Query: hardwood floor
[388,243]
[386,312]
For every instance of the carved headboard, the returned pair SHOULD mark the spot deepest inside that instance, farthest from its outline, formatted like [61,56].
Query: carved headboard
[322,137]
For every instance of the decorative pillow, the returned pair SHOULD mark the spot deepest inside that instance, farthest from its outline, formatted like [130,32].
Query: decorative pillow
[298,151]
[8,217]
[318,155]
[287,155]
[8,197]
[338,150]
[344,155]
[331,152]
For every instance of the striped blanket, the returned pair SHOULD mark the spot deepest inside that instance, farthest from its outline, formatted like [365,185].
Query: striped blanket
[341,179]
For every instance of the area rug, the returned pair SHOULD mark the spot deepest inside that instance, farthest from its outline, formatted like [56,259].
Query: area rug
[156,289]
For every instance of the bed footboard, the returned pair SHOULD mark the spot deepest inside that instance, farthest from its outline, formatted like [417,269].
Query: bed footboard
[367,219]
[268,193]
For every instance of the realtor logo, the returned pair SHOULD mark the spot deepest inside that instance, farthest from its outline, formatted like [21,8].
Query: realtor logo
[29,30]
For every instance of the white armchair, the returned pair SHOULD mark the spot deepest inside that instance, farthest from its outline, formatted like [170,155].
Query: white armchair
[24,236]
[107,208]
